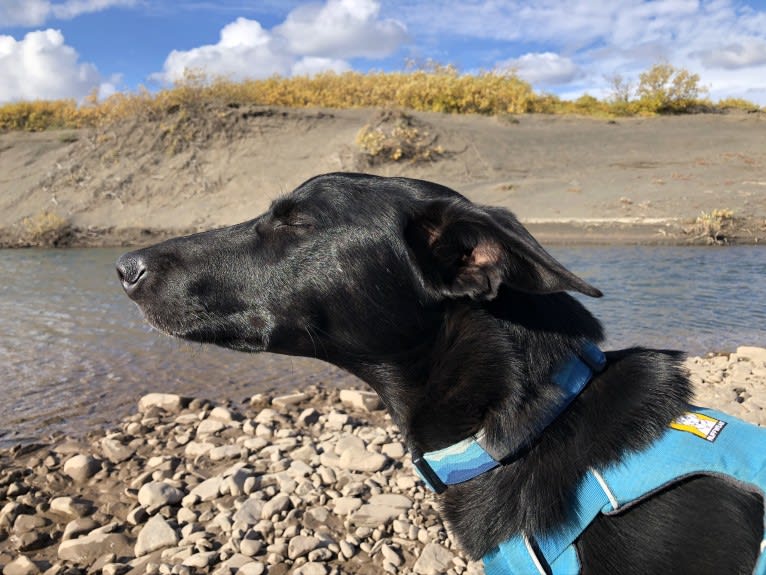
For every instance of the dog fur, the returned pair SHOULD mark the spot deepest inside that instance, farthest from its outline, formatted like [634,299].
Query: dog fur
[456,317]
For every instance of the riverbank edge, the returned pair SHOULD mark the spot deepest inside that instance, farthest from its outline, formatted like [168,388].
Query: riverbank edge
[560,231]
[312,482]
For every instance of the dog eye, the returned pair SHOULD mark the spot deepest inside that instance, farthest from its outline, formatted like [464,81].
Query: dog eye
[292,222]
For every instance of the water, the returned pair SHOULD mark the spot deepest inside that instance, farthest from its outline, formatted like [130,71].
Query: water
[75,353]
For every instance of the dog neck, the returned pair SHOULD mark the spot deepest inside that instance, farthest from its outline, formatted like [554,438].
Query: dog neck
[490,367]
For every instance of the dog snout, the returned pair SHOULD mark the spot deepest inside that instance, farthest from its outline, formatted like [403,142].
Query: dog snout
[132,271]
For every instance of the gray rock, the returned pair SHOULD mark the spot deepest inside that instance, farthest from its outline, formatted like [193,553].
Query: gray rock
[433,560]
[87,549]
[276,504]
[311,569]
[362,460]
[374,515]
[208,489]
[81,467]
[250,512]
[200,560]
[115,451]
[224,452]
[224,414]
[169,402]
[345,505]
[209,427]
[156,534]
[289,399]
[155,494]
[250,547]
[21,565]
[252,568]
[301,545]
[73,506]
[361,400]
[78,527]
[401,502]
[196,449]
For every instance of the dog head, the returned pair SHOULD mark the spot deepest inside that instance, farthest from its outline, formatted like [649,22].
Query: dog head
[347,264]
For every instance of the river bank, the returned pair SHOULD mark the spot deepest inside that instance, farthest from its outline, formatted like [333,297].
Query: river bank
[693,179]
[313,482]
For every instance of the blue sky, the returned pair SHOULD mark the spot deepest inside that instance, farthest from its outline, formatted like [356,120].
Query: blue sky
[66,48]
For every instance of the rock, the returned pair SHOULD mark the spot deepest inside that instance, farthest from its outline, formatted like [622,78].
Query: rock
[200,560]
[81,467]
[78,527]
[169,402]
[224,414]
[345,505]
[252,568]
[25,523]
[196,449]
[208,489]
[115,451]
[400,502]
[755,354]
[73,506]
[290,399]
[336,420]
[308,416]
[362,460]
[21,565]
[156,534]
[393,450]
[155,494]
[433,560]
[374,515]
[361,400]
[250,547]
[301,545]
[224,452]
[85,550]
[277,504]
[250,512]
[390,555]
[209,427]
[311,569]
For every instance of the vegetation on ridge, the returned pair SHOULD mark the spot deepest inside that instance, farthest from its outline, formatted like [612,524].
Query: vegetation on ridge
[661,89]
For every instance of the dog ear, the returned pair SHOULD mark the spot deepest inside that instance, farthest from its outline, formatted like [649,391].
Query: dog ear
[467,250]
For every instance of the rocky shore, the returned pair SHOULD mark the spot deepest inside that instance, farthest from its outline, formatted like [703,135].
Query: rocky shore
[314,482]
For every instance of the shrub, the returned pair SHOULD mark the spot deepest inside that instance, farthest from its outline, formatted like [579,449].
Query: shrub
[714,225]
[45,229]
[394,136]
[664,88]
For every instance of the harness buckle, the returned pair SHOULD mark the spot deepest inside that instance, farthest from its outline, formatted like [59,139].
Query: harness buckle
[427,472]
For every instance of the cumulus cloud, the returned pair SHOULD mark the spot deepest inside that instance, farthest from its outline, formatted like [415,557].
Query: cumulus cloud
[544,68]
[724,41]
[42,66]
[313,38]
[37,12]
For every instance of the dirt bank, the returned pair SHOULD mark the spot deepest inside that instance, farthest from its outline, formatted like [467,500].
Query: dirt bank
[583,179]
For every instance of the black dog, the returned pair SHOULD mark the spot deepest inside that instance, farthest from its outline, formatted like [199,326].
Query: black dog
[456,317]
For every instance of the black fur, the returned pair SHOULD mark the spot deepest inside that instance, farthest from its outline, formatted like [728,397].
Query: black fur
[457,317]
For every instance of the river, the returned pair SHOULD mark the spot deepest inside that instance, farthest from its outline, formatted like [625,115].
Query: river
[75,353]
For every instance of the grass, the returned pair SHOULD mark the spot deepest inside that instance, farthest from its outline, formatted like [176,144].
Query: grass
[45,229]
[394,136]
[714,225]
[663,89]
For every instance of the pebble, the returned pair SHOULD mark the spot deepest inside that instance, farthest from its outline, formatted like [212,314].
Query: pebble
[81,467]
[361,400]
[21,565]
[297,487]
[156,534]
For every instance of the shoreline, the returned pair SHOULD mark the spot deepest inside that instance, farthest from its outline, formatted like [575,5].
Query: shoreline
[311,482]
[550,231]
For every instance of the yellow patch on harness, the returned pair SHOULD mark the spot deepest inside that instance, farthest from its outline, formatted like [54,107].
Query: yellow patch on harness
[700,425]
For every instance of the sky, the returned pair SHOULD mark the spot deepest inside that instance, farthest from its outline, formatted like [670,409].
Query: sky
[67,48]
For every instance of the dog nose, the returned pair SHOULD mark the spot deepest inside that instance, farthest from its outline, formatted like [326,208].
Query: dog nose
[131,269]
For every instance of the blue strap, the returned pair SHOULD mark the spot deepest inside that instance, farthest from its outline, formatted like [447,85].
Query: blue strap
[467,459]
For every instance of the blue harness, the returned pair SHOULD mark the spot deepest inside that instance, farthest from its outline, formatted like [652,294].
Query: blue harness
[701,442]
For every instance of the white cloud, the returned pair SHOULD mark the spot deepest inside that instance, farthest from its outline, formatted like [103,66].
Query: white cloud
[42,66]
[544,68]
[313,38]
[724,41]
[341,29]
[37,12]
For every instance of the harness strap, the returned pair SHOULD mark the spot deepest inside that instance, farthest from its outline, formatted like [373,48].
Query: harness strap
[469,458]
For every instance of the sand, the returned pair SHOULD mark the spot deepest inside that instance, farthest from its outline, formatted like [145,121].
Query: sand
[633,180]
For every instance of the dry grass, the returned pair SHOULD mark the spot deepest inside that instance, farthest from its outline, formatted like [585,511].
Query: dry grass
[714,226]
[394,136]
[435,89]
[45,229]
